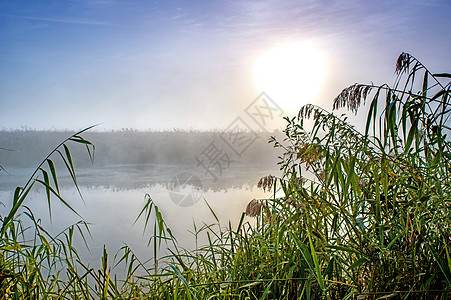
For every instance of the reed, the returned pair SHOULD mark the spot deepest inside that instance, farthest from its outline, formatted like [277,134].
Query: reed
[355,215]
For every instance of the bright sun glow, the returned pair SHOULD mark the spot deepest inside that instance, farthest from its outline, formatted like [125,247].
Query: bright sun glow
[290,74]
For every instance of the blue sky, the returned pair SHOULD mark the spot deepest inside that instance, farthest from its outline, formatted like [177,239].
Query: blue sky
[188,64]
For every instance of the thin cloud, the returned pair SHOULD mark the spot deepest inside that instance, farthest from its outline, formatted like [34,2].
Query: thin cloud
[63,20]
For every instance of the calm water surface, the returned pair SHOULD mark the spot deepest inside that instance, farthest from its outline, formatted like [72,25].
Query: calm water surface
[114,196]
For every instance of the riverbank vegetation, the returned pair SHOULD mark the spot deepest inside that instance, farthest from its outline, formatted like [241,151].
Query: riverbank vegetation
[355,215]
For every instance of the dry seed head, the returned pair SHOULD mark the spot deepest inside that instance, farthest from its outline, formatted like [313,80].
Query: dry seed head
[300,180]
[308,153]
[266,183]
[306,111]
[351,97]
[254,208]
[403,63]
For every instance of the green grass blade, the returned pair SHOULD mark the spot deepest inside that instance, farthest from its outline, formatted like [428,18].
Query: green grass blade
[53,172]
[318,273]
[183,279]
[59,197]
[212,211]
[47,190]
[21,196]
[267,290]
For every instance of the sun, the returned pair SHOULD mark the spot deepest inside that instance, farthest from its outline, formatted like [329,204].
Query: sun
[290,74]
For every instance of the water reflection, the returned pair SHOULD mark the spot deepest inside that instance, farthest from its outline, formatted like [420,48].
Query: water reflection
[130,177]
[113,198]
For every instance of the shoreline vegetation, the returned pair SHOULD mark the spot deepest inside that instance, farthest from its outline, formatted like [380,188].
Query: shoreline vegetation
[354,215]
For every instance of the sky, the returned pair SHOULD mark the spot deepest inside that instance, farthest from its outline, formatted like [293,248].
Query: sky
[164,65]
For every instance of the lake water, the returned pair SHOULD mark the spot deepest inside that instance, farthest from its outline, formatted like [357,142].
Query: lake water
[114,196]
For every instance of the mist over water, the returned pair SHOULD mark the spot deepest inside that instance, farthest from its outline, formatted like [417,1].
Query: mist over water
[127,167]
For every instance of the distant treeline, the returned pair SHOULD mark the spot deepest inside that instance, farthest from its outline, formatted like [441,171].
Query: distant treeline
[29,147]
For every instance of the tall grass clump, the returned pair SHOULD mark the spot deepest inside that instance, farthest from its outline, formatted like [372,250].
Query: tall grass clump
[356,214]
[370,210]
[32,260]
